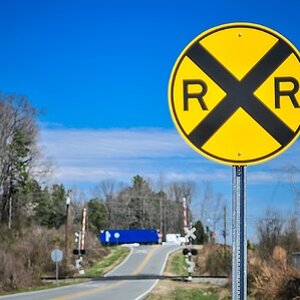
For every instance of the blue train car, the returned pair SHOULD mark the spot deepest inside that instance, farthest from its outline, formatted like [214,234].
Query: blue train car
[129,236]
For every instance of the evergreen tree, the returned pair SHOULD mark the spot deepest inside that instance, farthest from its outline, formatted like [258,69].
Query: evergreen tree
[201,236]
[97,215]
[50,208]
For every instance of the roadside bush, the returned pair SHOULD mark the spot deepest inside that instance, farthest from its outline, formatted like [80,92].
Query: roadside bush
[219,263]
[218,260]
[274,282]
[94,250]
[273,279]
[25,256]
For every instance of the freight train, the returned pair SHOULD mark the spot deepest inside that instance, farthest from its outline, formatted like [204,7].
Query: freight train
[129,236]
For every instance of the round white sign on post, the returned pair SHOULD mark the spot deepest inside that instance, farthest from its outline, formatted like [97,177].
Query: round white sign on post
[56,255]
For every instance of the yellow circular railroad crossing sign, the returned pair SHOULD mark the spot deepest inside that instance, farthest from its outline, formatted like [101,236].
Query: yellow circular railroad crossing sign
[234,93]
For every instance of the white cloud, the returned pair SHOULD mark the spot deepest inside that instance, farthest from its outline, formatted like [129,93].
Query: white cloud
[91,155]
[86,155]
[141,142]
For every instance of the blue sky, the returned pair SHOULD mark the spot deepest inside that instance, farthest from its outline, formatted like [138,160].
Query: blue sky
[100,71]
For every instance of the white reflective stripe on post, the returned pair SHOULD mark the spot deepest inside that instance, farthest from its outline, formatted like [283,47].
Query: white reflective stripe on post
[184,208]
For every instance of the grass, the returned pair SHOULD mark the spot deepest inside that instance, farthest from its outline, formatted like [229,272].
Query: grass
[43,286]
[177,264]
[178,290]
[172,290]
[116,255]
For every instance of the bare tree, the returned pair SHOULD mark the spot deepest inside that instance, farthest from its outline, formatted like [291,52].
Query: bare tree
[180,190]
[176,192]
[211,207]
[105,189]
[217,210]
[206,202]
[269,233]
[292,170]
[18,133]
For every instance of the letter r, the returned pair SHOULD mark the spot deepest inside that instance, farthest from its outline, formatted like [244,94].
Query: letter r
[290,93]
[199,96]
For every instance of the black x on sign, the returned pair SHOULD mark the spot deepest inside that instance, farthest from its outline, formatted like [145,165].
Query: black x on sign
[234,93]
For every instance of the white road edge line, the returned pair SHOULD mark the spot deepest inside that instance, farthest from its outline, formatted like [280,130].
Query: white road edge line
[122,263]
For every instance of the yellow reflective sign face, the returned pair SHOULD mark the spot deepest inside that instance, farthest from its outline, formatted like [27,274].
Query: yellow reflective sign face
[234,94]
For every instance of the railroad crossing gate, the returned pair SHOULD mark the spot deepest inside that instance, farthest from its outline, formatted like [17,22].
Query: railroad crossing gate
[234,94]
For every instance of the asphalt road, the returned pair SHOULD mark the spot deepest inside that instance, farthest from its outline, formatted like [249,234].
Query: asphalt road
[132,280]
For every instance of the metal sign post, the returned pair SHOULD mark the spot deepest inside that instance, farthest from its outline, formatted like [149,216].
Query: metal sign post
[239,234]
[56,256]
[56,272]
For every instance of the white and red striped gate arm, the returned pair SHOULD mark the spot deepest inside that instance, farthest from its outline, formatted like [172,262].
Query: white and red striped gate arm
[84,214]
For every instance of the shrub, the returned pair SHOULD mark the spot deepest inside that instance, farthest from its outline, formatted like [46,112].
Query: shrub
[273,279]
[218,262]
[25,256]
[94,250]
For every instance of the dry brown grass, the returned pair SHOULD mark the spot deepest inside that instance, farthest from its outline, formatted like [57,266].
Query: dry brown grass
[165,290]
[26,256]
[274,279]
[212,260]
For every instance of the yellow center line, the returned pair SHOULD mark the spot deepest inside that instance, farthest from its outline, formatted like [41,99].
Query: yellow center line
[145,261]
[113,285]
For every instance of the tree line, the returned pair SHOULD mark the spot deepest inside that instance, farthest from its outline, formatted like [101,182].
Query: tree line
[25,201]
[140,206]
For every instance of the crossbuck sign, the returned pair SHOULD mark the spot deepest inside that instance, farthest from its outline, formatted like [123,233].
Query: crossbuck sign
[190,234]
[234,94]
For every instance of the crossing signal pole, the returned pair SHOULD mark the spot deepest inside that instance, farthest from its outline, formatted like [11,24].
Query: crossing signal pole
[188,252]
[80,242]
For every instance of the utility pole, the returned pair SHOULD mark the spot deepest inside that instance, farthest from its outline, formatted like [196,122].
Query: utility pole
[68,202]
[296,193]
[225,235]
